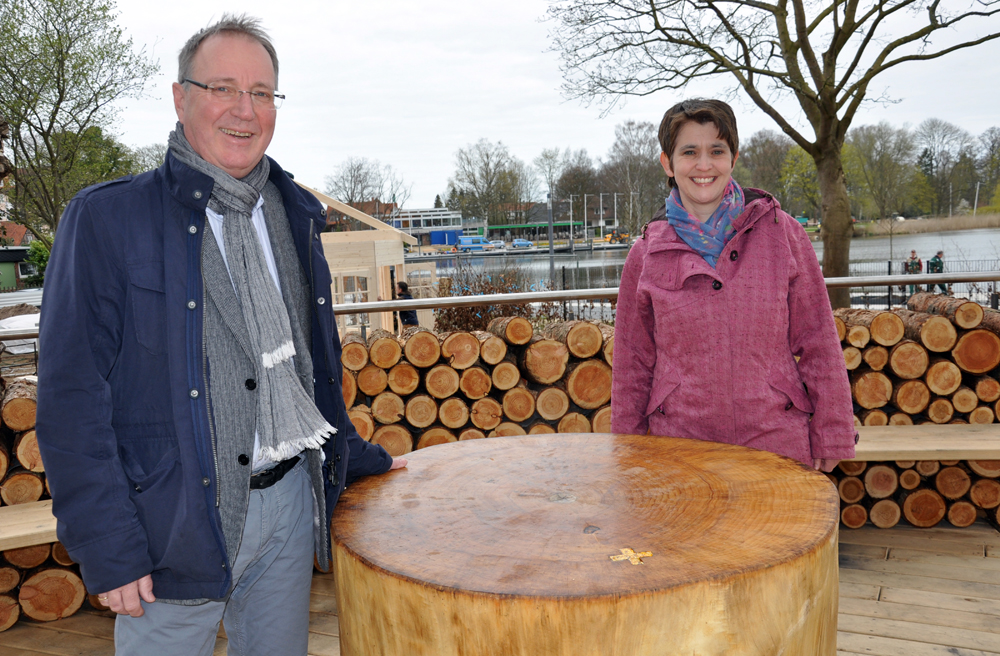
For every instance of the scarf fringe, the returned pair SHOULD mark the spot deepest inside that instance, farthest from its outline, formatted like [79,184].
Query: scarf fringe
[278,355]
[285,450]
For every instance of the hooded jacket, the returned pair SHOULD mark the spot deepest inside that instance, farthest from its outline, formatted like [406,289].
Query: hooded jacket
[711,353]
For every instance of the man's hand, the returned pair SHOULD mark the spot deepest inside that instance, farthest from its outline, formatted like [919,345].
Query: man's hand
[822,464]
[398,463]
[125,600]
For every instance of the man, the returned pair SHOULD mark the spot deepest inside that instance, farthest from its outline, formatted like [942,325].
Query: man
[913,266]
[190,408]
[406,317]
[936,265]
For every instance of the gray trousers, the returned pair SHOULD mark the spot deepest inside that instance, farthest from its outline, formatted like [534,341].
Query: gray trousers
[267,612]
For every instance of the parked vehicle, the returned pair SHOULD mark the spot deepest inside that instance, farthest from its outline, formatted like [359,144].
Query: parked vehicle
[616,237]
[522,243]
[469,244]
[499,244]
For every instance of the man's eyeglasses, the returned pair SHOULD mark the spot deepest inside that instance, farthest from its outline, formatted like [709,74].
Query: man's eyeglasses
[261,99]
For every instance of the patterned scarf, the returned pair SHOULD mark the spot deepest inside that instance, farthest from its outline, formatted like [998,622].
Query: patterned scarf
[707,238]
[287,419]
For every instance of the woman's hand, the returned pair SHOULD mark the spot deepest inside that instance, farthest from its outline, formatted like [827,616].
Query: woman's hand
[822,464]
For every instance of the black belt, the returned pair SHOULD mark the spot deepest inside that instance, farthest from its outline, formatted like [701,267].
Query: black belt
[267,478]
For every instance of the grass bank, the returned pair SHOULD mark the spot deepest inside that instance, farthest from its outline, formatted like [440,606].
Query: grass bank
[915,226]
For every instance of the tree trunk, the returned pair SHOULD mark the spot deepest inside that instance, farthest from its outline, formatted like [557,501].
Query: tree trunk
[911,396]
[18,410]
[574,422]
[471,434]
[507,429]
[871,389]
[924,508]
[349,387]
[513,330]
[985,468]
[492,349]
[601,420]
[541,428]
[881,481]
[372,380]
[519,404]
[441,381]
[608,350]
[874,418]
[552,403]
[909,479]
[952,483]
[588,383]
[453,412]
[421,347]
[404,379]
[977,352]
[21,486]
[962,312]
[961,514]
[421,411]
[364,423]
[851,489]
[852,357]
[935,332]
[388,408]
[10,611]
[28,557]
[940,410]
[475,383]
[384,349]
[354,352]
[985,493]
[987,388]
[583,338]
[885,513]
[394,438]
[836,229]
[943,377]
[854,516]
[544,361]
[876,357]
[885,328]
[460,349]
[908,360]
[51,594]
[506,374]
[486,413]
[964,400]
[434,436]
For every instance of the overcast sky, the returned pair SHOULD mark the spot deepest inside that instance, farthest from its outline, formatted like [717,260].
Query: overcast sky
[408,83]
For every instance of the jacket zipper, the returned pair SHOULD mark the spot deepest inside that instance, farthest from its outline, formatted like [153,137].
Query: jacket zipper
[204,375]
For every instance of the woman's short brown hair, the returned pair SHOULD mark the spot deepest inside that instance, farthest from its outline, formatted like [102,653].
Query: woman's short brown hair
[699,110]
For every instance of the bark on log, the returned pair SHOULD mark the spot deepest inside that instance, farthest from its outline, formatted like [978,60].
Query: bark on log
[928,467]
[507,429]
[544,361]
[852,357]
[952,483]
[552,403]
[348,387]
[404,379]
[871,389]
[364,423]
[574,422]
[908,360]
[962,312]
[858,336]
[459,349]
[924,508]
[519,404]
[18,410]
[4,461]
[964,400]
[354,352]
[513,330]
[961,514]
[940,410]
[475,383]
[60,555]
[985,468]
[540,428]
[600,421]
[26,451]
[28,557]
[976,351]
[10,578]
[453,412]
[910,396]
[441,381]
[388,408]
[372,380]
[608,350]
[21,486]
[421,347]
[852,467]
[492,349]
[434,436]
[901,419]
[588,383]
[10,611]
[384,349]
[885,513]
[506,374]
[936,333]
[881,481]
[909,479]
[51,594]
[987,388]
[394,438]
[876,357]
[421,411]
[583,339]
[851,489]
[486,413]
[885,327]
[854,516]
[471,434]
[873,418]
[985,493]
[841,328]
[991,320]
[943,377]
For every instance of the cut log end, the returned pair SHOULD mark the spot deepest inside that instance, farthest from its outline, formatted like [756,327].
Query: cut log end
[51,594]
[854,516]
[395,439]
[885,513]
[961,514]
[924,508]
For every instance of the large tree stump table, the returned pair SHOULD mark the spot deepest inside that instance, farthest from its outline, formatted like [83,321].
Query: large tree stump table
[571,544]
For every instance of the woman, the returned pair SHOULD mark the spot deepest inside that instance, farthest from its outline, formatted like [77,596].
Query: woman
[717,300]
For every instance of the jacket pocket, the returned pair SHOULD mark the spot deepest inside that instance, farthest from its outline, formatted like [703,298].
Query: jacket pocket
[157,499]
[665,381]
[148,294]
[794,391]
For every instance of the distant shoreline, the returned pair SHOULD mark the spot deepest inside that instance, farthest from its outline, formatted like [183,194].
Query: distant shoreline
[917,226]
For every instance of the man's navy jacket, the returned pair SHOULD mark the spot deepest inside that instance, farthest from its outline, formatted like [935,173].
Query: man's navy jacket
[123,425]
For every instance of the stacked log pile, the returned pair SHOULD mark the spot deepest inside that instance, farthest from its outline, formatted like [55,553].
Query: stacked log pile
[422,388]
[924,493]
[22,474]
[935,362]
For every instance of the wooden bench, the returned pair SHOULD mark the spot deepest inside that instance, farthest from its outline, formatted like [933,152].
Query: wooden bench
[26,524]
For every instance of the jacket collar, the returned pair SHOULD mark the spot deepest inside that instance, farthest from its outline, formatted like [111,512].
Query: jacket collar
[662,237]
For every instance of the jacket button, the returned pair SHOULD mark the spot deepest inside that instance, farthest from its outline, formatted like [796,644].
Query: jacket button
[716,285]
[196,194]
[321,300]
[193,394]
[243,459]
[336,458]
[192,305]
[192,229]
[733,256]
[660,410]
[206,482]
[788,406]
[137,488]
[331,380]
[251,384]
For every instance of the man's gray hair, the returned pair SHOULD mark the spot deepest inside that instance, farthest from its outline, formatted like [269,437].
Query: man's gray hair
[231,24]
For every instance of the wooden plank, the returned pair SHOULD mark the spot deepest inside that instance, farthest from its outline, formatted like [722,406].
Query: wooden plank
[320,603]
[904,612]
[855,643]
[865,550]
[860,591]
[26,524]
[324,645]
[920,556]
[892,538]
[916,632]
[939,600]
[29,636]
[84,624]
[358,214]
[979,532]
[324,624]
[929,442]
[948,572]
[886,579]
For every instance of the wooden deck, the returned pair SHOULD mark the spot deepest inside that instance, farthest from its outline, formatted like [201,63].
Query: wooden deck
[903,592]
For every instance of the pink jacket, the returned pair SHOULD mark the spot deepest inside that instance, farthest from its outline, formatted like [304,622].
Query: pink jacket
[710,353]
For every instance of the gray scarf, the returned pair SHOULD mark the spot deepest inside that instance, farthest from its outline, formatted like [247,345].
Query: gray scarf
[287,419]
